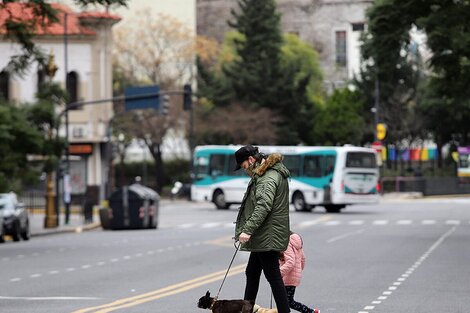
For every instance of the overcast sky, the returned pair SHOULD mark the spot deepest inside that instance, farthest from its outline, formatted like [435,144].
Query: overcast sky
[183,10]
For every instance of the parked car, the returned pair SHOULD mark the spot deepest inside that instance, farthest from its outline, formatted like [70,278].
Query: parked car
[15,217]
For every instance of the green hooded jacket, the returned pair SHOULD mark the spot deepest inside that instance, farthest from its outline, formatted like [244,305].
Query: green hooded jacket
[264,212]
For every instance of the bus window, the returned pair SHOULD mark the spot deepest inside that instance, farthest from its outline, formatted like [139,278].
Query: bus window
[329,164]
[312,166]
[292,162]
[361,160]
[231,166]
[217,164]
[201,167]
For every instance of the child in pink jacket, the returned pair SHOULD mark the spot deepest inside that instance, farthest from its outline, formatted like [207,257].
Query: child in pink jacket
[292,263]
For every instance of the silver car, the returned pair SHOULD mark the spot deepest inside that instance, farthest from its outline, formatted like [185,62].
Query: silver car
[15,218]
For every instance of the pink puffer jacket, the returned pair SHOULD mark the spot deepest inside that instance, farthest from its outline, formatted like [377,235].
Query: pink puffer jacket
[293,261]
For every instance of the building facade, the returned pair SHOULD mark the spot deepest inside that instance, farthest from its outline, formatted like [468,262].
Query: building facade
[81,43]
[332,27]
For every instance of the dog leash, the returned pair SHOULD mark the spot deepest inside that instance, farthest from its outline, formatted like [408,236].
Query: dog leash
[237,247]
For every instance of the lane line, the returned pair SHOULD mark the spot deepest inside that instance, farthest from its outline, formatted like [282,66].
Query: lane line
[163,292]
[395,285]
[47,298]
[357,232]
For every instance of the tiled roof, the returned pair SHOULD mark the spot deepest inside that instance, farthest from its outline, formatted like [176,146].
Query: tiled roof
[24,12]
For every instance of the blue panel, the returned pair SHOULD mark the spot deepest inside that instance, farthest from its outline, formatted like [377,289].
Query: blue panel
[150,102]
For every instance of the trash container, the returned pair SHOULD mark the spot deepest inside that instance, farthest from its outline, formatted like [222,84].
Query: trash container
[133,207]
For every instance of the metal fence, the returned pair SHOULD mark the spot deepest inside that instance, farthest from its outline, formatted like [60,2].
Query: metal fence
[428,186]
[34,200]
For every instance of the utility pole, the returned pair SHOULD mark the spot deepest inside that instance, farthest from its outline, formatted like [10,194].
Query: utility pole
[66,181]
[50,220]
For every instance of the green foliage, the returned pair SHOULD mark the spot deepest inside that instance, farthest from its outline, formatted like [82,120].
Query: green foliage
[261,68]
[340,121]
[18,138]
[255,73]
[444,103]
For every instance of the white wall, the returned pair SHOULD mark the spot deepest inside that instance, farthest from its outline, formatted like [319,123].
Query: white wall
[79,60]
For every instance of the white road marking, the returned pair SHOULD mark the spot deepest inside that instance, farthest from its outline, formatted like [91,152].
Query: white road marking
[47,298]
[452,222]
[357,222]
[210,225]
[380,222]
[397,283]
[332,223]
[428,222]
[404,222]
[344,236]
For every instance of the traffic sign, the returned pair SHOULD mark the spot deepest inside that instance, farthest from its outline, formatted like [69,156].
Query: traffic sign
[146,97]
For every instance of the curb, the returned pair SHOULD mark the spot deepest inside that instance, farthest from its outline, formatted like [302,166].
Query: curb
[71,229]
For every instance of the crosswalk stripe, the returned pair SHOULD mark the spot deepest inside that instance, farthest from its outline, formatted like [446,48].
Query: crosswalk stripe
[404,222]
[357,222]
[380,222]
[325,222]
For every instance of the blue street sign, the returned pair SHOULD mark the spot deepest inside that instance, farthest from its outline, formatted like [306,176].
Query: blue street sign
[138,98]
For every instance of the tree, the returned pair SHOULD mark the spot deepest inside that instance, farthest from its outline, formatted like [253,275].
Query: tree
[23,31]
[444,104]
[19,137]
[340,121]
[298,94]
[245,125]
[255,72]
[156,49]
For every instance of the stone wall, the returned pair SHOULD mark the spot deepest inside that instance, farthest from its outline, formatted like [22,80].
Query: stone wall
[314,21]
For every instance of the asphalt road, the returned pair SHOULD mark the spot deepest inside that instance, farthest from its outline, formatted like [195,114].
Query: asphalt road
[396,256]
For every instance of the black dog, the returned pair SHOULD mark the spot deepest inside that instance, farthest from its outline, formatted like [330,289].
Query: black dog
[225,306]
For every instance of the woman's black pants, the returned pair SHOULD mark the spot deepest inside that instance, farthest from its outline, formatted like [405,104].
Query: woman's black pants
[268,262]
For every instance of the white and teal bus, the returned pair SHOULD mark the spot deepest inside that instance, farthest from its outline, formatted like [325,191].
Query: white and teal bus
[332,177]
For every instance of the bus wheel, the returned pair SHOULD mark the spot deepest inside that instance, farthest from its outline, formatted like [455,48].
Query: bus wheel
[299,202]
[219,200]
[333,208]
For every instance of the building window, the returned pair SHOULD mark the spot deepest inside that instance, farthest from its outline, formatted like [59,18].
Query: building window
[341,56]
[41,78]
[4,85]
[72,86]
[358,27]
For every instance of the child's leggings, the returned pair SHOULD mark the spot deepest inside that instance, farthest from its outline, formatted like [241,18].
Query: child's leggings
[294,304]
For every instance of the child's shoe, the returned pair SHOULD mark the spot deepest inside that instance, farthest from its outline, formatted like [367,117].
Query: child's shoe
[316,311]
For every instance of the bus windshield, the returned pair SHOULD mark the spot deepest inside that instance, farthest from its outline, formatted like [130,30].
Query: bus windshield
[361,160]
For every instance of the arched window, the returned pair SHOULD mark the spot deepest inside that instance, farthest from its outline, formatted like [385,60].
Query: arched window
[41,77]
[72,86]
[5,85]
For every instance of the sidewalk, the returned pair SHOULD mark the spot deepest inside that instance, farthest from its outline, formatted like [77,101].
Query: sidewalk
[76,224]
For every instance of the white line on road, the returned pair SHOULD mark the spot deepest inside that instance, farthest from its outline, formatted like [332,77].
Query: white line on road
[397,283]
[380,222]
[48,298]
[344,236]
[404,222]
[357,222]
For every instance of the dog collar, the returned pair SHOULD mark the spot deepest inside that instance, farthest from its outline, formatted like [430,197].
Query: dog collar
[213,303]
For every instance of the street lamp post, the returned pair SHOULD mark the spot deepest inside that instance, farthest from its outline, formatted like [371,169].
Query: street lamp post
[51,214]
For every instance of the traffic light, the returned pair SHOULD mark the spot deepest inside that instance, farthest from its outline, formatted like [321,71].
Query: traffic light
[187,97]
[165,105]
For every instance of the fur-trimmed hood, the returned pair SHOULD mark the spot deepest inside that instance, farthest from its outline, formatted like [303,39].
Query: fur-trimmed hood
[272,161]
